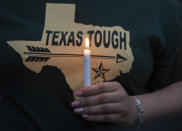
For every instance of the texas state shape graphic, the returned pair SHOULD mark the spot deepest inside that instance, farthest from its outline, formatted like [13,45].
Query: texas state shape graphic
[62,45]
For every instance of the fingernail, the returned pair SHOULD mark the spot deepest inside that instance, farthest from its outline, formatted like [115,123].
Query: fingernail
[78,110]
[78,93]
[75,103]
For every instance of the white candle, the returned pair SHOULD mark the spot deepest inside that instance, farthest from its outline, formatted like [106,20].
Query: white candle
[86,64]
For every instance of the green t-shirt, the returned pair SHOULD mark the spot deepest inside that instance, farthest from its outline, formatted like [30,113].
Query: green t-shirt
[42,45]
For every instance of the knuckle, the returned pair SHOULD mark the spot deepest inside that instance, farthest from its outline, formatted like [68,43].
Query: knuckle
[103,108]
[119,96]
[119,108]
[117,84]
[120,88]
[86,102]
[86,110]
[121,93]
[107,109]
[101,87]
[102,98]
[82,102]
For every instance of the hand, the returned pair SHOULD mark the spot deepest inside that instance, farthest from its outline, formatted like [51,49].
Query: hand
[105,102]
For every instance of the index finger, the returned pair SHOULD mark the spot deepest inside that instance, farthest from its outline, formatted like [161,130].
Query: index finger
[96,89]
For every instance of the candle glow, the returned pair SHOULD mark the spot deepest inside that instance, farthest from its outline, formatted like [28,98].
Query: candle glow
[87,43]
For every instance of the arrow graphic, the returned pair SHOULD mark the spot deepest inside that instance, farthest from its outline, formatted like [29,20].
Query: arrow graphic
[43,54]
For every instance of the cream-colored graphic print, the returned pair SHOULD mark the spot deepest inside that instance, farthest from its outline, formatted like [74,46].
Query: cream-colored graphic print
[63,43]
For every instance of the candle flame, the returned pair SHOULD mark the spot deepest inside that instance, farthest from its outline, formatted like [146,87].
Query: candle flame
[87,43]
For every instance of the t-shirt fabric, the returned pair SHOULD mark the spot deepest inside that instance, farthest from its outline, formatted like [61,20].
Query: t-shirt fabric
[41,51]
